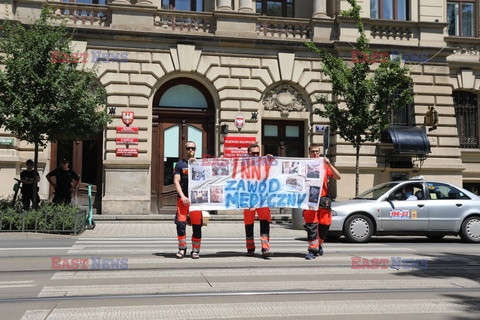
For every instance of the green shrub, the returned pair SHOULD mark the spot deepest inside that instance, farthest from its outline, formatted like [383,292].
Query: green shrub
[47,218]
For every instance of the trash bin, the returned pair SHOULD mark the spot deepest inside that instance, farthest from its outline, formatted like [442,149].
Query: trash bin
[297,219]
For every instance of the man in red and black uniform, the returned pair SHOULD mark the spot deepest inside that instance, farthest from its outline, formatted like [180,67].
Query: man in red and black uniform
[318,221]
[264,217]
[180,180]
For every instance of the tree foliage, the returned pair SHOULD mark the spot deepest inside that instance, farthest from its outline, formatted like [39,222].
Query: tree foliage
[40,100]
[362,99]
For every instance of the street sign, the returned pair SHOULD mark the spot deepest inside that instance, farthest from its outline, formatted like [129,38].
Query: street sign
[6,142]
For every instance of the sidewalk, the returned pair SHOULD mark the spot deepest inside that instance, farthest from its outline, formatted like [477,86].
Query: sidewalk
[167,229]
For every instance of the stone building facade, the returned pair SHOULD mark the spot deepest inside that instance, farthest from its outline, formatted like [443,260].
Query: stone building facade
[187,69]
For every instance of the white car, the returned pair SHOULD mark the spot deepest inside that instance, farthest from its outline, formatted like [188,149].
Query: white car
[412,207]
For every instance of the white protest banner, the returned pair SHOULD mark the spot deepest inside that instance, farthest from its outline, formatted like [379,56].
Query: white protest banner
[255,182]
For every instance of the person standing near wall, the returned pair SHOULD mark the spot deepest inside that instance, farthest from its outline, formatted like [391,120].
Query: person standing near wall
[180,180]
[264,216]
[318,221]
[27,178]
[63,182]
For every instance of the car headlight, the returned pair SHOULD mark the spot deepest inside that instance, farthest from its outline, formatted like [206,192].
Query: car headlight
[334,213]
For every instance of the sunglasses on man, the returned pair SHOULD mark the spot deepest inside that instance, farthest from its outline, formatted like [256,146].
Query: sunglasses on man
[191,148]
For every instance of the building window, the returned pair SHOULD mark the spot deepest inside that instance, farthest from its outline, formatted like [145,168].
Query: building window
[103,2]
[473,187]
[183,5]
[390,9]
[466,112]
[403,116]
[276,8]
[461,17]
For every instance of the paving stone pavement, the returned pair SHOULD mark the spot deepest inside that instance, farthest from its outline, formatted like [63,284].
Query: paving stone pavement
[166,229]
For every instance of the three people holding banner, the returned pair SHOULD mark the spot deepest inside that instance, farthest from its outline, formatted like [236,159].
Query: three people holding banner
[264,216]
[318,221]
[180,180]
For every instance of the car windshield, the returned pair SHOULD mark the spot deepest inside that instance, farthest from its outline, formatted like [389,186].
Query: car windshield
[376,192]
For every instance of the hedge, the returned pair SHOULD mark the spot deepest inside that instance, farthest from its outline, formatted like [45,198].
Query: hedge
[49,218]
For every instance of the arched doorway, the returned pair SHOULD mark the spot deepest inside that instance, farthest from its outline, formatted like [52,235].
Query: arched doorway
[183,110]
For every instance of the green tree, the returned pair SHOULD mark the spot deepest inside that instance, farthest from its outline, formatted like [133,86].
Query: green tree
[40,100]
[362,99]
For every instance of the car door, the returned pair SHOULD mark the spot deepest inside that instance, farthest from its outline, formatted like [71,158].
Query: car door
[447,206]
[400,214]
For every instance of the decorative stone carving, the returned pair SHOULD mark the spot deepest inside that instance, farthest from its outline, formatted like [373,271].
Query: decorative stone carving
[465,49]
[391,32]
[284,98]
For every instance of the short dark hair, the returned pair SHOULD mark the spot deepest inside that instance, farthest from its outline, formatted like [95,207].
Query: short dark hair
[29,162]
[189,141]
[314,145]
[253,145]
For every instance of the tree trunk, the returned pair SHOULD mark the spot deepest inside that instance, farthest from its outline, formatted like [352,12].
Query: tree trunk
[357,168]
[35,183]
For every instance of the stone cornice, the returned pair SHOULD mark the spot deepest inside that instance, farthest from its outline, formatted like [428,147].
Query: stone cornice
[465,40]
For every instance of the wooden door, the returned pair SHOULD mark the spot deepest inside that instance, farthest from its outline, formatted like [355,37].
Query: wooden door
[169,138]
[86,160]
[283,138]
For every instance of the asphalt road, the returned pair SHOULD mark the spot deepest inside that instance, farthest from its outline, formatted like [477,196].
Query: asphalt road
[389,278]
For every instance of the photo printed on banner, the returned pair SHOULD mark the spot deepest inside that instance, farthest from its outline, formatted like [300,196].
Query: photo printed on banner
[216,194]
[199,196]
[313,169]
[198,171]
[290,167]
[313,196]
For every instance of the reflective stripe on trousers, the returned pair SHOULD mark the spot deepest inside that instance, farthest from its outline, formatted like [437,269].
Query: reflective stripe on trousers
[196,244]
[265,240]
[182,242]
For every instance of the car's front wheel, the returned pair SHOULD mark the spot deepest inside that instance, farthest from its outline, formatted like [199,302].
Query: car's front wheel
[358,228]
[470,231]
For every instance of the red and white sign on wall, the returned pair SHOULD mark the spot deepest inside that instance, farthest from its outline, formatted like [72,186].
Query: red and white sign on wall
[133,130]
[236,146]
[127,117]
[239,121]
[127,141]
[126,152]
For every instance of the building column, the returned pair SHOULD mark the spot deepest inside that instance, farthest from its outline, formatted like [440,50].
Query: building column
[246,6]
[319,8]
[144,3]
[224,5]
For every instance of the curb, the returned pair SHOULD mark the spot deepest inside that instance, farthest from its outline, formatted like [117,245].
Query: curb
[171,217]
